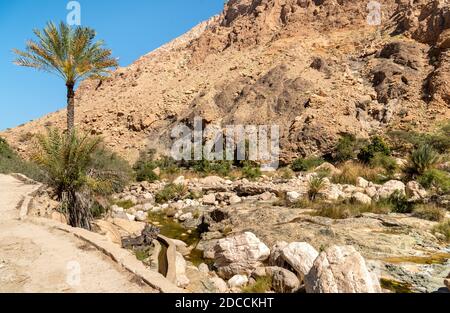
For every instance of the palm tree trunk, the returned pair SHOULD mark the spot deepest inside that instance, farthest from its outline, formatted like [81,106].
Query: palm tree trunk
[70,107]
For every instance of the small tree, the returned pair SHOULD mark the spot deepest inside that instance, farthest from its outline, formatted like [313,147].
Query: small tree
[70,53]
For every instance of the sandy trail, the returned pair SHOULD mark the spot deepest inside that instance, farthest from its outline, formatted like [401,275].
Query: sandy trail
[38,259]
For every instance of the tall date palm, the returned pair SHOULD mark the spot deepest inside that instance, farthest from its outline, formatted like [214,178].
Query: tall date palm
[69,52]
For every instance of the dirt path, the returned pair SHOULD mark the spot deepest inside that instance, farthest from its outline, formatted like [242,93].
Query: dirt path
[37,259]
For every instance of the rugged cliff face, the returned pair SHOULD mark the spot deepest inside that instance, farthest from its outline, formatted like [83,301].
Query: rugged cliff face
[316,68]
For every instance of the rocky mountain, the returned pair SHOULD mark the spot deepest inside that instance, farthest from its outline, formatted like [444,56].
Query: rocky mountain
[317,68]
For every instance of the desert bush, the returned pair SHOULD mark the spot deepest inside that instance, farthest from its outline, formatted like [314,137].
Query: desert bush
[221,168]
[430,213]
[261,285]
[400,203]
[315,185]
[422,159]
[347,209]
[304,165]
[436,179]
[251,171]
[376,146]
[11,162]
[439,140]
[350,171]
[286,173]
[386,162]
[171,192]
[443,229]
[347,148]
[70,168]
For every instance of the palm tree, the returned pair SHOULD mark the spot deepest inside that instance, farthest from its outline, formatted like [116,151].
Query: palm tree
[70,53]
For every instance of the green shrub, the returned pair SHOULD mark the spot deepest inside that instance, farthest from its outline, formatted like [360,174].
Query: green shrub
[386,162]
[304,165]
[347,148]
[251,171]
[376,146]
[221,168]
[430,213]
[400,203]
[315,185]
[11,162]
[422,159]
[443,229]
[437,179]
[146,172]
[146,165]
[171,192]
[261,285]
[125,204]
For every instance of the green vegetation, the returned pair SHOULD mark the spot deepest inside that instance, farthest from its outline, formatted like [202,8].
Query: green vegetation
[261,285]
[399,202]
[346,209]
[304,165]
[376,146]
[10,162]
[315,185]
[205,167]
[347,148]
[443,229]
[69,167]
[430,213]
[395,286]
[126,204]
[251,171]
[437,179]
[171,192]
[422,159]
[69,52]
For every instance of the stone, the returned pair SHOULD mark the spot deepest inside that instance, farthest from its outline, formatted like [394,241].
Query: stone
[179,181]
[362,183]
[59,217]
[212,181]
[147,207]
[415,191]
[140,216]
[266,196]
[328,167]
[203,268]
[293,196]
[238,281]
[283,280]
[130,227]
[389,188]
[219,284]
[371,191]
[341,269]
[148,197]
[209,199]
[234,200]
[130,198]
[276,258]
[109,231]
[359,197]
[157,171]
[332,192]
[300,256]
[182,280]
[239,254]
[131,217]
[116,209]
[185,217]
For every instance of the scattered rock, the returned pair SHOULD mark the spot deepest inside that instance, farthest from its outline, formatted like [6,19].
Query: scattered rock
[283,281]
[415,191]
[180,269]
[220,285]
[362,183]
[179,181]
[300,256]
[209,199]
[239,254]
[293,196]
[328,167]
[362,198]
[234,200]
[238,281]
[203,268]
[141,216]
[341,269]
[390,188]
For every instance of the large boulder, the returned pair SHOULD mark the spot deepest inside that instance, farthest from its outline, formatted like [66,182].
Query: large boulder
[109,230]
[238,281]
[182,280]
[389,188]
[283,281]
[300,256]
[362,198]
[341,269]
[239,254]
[415,191]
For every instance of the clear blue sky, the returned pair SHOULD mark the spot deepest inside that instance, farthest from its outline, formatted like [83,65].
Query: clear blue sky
[130,28]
